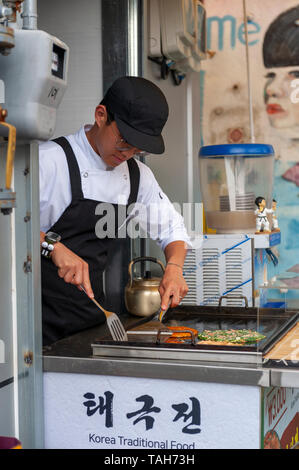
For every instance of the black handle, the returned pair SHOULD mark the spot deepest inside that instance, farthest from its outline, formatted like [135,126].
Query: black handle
[143,258]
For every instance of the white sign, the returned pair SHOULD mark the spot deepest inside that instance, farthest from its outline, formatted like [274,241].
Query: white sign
[108,412]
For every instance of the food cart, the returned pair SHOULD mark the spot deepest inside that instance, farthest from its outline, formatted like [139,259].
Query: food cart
[87,391]
[149,394]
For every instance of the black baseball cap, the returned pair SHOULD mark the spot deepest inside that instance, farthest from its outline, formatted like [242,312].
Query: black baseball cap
[140,110]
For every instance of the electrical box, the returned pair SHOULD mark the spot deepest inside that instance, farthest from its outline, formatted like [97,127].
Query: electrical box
[182,31]
[154,29]
[35,78]
[199,51]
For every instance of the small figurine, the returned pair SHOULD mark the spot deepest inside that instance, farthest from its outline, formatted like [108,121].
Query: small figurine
[275,227]
[262,222]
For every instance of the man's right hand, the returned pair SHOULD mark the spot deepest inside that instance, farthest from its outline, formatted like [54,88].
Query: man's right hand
[71,268]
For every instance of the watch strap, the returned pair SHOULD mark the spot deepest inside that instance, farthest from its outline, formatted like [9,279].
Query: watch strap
[46,249]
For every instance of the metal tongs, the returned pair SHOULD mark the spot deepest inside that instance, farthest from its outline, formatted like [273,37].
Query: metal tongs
[162,312]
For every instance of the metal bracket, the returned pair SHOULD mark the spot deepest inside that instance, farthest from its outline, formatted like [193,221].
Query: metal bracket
[28,358]
[7,201]
[27,265]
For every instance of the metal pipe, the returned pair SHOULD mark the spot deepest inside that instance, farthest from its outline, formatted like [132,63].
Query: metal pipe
[189,146]
[133,37]
[252,136]
[29,14]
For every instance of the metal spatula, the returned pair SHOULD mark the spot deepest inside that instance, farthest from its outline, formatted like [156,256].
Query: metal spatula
[114,324]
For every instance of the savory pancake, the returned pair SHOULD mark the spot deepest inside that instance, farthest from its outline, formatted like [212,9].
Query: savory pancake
[229,337]
[216,337]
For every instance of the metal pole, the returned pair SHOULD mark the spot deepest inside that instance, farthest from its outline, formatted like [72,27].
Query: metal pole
[28,296]
[29,14]
[139,246]
[252,136]
[133,37]
[189,149]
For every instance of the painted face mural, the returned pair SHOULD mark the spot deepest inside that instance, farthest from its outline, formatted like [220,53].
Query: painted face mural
[282,112]
[281,59]
[273,42]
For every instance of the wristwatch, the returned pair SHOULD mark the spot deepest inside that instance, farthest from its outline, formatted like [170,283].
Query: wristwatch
[48,245]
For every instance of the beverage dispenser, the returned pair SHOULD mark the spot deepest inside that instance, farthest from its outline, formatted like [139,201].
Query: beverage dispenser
[231,177]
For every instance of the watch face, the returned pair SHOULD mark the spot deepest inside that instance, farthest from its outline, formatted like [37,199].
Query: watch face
[53,237]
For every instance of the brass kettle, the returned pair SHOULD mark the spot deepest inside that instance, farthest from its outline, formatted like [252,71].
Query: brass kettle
[142,297]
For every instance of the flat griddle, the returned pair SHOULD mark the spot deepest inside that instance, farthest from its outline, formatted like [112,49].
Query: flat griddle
[146,341]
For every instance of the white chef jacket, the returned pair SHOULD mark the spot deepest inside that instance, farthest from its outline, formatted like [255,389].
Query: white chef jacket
[154,212]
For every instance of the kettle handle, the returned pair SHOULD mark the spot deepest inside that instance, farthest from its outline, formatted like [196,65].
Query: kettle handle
[143,258]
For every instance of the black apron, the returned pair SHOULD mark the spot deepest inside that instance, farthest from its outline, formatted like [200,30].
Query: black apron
[65,309]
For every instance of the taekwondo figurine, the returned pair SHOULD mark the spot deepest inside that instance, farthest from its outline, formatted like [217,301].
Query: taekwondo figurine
[275,227]
[262,222]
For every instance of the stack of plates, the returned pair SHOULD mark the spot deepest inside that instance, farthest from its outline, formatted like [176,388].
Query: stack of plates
[244,202]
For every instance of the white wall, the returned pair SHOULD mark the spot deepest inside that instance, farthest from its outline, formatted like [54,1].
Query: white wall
[80,28]
[171,168]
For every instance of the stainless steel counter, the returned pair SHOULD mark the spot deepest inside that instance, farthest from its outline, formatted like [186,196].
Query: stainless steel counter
[284,377]
[74,355]
[177,370]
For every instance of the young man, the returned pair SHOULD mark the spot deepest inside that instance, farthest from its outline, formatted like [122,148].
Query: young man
[87,172]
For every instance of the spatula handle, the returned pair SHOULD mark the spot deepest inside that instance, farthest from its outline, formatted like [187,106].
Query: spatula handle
[99,306]
[94,300]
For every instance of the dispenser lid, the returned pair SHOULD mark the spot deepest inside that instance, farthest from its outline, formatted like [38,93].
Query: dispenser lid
[234,150]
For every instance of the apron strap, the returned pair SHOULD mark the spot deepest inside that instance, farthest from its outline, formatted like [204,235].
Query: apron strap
[75,177]
[134,180]
[74,171]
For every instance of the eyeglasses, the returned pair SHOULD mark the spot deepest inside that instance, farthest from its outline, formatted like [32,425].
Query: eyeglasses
[122,146]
